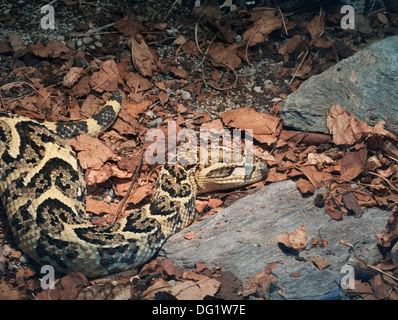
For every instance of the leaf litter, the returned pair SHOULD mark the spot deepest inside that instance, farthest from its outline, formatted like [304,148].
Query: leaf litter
[357,163]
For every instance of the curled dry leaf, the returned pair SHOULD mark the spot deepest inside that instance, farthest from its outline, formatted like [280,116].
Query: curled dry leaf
[296,240]
[72,76]
[305,186]
[143,59]
[260,283]
[265,23]
[345,129]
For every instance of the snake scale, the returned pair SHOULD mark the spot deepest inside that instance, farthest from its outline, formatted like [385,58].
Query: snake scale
[43,191]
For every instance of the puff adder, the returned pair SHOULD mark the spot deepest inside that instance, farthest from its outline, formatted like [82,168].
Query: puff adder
[43,190]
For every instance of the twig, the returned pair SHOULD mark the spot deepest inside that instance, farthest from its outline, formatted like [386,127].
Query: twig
[381,271]
[299,67]
[171,8]
[283,20]
[133,180]
[93,31]
[250,39]
[385,179]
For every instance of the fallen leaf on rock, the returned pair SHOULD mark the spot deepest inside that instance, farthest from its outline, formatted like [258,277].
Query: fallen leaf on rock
[316,177]
[189,235]
[346,243]
[296,240]
[190,290]
[164,266]
[332,211]
[319,263]
[351,203]
[260,284]
[352,162]
[345,129]
[390,233]
[305,186]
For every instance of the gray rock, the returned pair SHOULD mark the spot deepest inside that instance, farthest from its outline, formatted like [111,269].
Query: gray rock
[243,239]
[365,84]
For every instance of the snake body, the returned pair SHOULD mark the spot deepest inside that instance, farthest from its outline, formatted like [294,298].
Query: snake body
[43,190]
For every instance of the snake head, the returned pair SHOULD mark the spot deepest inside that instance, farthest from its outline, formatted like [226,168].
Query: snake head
[223,176]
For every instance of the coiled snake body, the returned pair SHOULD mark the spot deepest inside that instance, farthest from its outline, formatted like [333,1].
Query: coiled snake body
[43,190]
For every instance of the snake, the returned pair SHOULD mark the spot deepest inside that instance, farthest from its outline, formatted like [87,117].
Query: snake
[43,192]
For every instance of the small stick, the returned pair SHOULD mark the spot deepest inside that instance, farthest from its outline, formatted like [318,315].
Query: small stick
[133,180]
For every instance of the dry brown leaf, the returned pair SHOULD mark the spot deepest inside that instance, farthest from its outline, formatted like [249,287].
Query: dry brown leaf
[308,138]
[316,177]
[246,118]
[107,78]
[346,243]
[66,289]
[265,23]
[178,72]
[352,162]
[98,207]
[319,159]
[140,193]
[380,288]
[347,130]
[215,125]
[144,59]
[136,82]
[136,108]
[319,263]
[190,290]
[351,203]
[305,186]
[316,26]
[390,232]
[296,240]
[54,49]
[189,235]
[92,153]
[260,283]
[226,55]
[158,286]
[72,76]
[332,211]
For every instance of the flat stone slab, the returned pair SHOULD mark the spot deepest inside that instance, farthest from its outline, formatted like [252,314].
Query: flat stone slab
[243,239]
[365,84]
